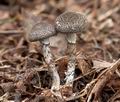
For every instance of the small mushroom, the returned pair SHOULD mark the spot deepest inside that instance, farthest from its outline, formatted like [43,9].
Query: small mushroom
[41,31]
[71,23]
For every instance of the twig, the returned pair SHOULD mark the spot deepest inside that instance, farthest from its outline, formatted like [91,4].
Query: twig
[4,98]
[81,93]
[10,32]
[5,67]
[103,79]
[108,13]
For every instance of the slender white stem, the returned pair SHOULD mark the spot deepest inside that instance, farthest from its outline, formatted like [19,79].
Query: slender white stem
[71,38]
[47,54]
[52,68]
[56,81]
[70,71]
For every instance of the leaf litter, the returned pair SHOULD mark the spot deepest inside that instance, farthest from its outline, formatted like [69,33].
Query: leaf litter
[24,75]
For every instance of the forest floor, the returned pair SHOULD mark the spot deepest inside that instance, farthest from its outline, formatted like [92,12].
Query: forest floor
[24,75]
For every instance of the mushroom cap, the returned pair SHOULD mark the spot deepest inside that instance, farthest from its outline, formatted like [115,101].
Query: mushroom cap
[41,31]
[71,22]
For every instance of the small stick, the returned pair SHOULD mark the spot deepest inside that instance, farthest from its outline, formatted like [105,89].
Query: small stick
[104,77]
[11,32]
[108,13]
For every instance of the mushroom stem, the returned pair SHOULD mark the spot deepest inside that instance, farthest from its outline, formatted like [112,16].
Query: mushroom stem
[71,38]
[52,68]
[70,71]
[46,51]
[56,81]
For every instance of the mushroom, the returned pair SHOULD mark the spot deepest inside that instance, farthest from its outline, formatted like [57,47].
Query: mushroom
[41,31]
[71,23]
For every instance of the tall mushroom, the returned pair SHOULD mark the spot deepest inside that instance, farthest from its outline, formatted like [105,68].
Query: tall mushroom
[71,23]
[41,31]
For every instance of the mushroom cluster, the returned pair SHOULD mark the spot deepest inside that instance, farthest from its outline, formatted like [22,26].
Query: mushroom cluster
[67,23]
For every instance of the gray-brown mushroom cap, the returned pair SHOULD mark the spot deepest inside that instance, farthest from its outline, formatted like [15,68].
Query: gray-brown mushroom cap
[71,22]
[41,31]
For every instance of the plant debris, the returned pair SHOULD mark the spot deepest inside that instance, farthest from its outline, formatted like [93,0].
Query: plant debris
[26,77]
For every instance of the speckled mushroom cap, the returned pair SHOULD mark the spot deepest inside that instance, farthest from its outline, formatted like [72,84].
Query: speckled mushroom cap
[71,22]
[41,31]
